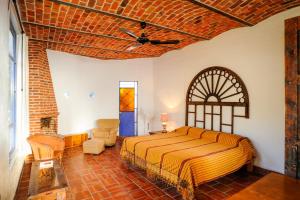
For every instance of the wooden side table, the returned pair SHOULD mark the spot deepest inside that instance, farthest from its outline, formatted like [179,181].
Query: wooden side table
[46,184]
[156,132]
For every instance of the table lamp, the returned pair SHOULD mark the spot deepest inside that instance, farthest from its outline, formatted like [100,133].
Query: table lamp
[164,119]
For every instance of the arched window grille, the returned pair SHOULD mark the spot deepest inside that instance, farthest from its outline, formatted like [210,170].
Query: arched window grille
[214,98]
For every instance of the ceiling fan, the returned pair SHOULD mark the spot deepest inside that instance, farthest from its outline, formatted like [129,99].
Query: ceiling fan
[143,39]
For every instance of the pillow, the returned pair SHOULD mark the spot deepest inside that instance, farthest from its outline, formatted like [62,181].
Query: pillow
[195,132]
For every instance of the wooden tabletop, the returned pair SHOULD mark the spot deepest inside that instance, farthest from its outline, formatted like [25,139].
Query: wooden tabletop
[44,180]
[156,132]
[271,187]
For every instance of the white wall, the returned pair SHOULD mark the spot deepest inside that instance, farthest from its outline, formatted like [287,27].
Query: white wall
[257,55]
[10,172]
[79,76]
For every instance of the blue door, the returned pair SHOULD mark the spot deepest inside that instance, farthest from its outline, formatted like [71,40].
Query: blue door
[127,123]
[127,111]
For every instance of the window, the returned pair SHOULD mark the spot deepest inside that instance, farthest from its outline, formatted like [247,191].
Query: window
[13,89]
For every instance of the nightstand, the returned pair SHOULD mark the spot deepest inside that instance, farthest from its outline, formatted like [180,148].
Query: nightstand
[156,132]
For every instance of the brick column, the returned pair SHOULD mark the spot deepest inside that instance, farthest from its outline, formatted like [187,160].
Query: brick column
[42,101]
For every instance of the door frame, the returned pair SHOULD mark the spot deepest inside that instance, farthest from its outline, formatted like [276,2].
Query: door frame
[292,96]
[136,119]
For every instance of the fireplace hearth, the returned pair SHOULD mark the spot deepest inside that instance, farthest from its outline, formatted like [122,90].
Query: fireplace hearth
[48,125]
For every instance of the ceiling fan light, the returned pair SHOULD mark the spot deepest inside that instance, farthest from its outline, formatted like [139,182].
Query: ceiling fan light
[131,48]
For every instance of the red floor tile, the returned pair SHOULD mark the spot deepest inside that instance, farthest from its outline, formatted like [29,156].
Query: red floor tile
[222,188]
[101,195]
[107,177]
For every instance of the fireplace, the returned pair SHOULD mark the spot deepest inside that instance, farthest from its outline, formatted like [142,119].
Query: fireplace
[48,125]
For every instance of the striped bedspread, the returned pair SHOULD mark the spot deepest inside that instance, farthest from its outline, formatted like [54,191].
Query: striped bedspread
[188,157]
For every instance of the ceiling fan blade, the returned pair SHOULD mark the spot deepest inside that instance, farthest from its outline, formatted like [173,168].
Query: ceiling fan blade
[134,46]
[129,33]
[164,42]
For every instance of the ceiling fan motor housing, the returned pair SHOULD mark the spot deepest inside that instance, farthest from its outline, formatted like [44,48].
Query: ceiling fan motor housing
[142,40]
[143,25]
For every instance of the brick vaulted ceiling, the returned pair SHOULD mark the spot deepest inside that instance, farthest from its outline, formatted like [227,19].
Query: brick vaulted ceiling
[91,27]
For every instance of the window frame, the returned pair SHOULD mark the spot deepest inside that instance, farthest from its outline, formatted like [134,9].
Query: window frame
[16,94]
[13,70]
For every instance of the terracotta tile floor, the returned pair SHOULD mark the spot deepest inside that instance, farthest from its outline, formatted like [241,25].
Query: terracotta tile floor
[106,177]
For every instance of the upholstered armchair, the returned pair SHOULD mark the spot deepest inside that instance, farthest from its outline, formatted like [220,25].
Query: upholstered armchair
[107,130]
[45,147]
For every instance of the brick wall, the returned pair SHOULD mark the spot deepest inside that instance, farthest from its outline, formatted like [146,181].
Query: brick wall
[42,101]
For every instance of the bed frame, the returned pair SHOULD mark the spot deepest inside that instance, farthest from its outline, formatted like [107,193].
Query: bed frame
[214,98]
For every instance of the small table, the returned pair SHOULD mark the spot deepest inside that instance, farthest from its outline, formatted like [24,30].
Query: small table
[156,132]
[49,183]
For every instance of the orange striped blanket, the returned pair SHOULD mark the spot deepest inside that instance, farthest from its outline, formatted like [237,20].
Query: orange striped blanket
[188,157]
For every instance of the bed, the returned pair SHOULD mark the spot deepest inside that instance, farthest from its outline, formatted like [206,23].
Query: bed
[188,157]
[201,151]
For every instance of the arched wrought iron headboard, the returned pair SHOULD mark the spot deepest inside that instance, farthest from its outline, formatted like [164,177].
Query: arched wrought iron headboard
[210,92]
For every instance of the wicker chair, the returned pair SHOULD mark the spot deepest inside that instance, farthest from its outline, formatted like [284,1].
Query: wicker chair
[45,147]
[107,131]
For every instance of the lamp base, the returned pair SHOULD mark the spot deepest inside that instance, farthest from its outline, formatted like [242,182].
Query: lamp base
[164,128]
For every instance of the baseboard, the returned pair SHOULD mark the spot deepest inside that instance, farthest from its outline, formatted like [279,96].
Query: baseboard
[261,171]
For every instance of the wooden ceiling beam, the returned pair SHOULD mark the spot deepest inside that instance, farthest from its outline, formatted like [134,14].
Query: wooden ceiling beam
[89,33]
[125,18]
[220,12]
[93,47]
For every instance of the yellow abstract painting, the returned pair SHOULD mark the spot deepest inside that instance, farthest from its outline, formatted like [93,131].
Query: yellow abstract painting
[127,99]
